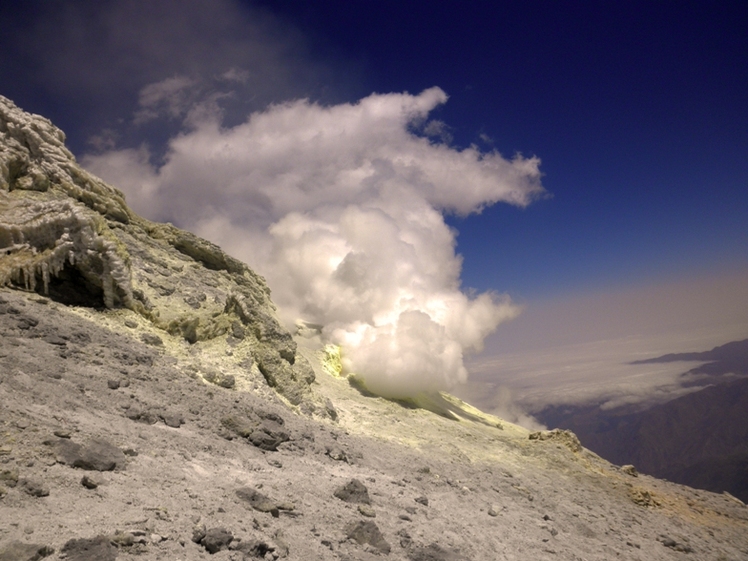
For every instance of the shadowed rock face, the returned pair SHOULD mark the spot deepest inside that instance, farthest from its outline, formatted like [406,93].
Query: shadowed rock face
[160,411]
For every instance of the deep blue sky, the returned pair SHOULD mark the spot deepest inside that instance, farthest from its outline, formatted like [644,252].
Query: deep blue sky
[638,110]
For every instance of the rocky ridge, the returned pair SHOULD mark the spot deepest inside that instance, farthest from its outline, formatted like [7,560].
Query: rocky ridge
[152,406]
[66,234]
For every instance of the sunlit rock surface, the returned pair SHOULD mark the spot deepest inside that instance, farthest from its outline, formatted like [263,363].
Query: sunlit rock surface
[152,407]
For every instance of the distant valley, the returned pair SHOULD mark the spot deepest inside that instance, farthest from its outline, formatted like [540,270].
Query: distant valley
[699,439]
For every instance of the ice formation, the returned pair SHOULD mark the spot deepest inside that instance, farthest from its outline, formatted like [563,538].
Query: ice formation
[53,214]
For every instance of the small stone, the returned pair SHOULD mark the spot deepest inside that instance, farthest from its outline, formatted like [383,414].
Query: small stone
[113,384]
[153,340]
[367,511]
[422,500]
[675,545]
[336,453]
[494,510]
[269,435]
[121,539]
[172,420]
[198,533]
[62,433]
[226,381]
[89,482]
[630,470]
[237,330]
[353,492]
[131,324]
[258,501]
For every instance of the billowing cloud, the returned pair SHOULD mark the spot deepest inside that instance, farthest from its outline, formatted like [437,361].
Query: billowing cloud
[578,350]
[341,208]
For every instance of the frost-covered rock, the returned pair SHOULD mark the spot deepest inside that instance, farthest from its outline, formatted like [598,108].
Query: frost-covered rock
[66,234]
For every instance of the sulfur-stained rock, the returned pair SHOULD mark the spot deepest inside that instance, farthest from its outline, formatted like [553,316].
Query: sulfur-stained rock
[565,437]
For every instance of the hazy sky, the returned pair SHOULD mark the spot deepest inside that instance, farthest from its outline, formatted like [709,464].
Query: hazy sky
[635,114]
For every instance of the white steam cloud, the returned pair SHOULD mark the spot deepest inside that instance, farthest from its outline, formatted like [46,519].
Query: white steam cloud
[341,208]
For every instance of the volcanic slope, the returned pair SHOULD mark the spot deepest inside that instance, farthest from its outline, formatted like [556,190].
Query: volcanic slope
[151,406]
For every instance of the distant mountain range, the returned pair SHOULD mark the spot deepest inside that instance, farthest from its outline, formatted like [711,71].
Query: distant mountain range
[731,358]
[699,439]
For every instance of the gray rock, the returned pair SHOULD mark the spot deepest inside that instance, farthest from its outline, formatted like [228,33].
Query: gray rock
[336,453]
[268,436]
[433,552]
[238,425]
[367,532]
[237,330]
[137,414]
[258,501]
[97,455]
[173,420]
[89,482]
[19,551]
[153,340]
[681,547]
[252,548]
[98,548]
[353,492]
[198,533]
[226,381]
[216,539]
